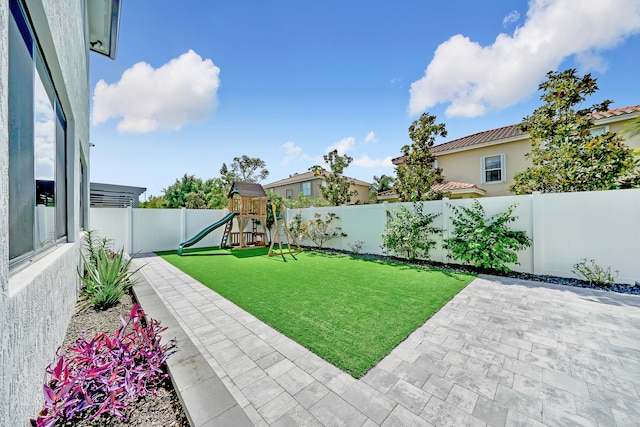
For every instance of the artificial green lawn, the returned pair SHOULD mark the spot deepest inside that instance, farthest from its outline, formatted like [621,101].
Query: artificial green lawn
[350,311]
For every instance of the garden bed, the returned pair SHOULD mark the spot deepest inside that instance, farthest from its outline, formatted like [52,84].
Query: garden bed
[164,409]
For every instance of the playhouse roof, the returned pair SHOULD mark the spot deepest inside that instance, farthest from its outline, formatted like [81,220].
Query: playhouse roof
[247,189]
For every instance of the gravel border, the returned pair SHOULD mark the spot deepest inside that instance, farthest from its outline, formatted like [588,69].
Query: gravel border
[615,287]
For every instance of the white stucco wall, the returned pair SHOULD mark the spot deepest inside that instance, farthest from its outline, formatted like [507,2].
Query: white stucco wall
[37,300]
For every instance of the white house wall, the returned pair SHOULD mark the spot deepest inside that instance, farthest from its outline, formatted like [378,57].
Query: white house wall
[37,302]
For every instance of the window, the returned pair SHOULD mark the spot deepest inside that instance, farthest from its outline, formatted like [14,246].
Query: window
[602,130]
[37,146]
[289,193]
[493,169]
[305,188]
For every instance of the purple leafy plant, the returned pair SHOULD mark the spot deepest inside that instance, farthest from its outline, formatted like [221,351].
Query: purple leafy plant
[105,373]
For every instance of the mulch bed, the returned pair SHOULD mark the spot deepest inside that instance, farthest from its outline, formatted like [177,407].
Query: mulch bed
[162,410]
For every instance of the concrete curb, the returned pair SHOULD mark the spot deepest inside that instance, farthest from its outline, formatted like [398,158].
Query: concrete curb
[204,397]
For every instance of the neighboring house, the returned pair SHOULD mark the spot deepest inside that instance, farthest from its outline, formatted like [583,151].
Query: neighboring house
[44,169]
[309,185]
[114,196]
[483,164]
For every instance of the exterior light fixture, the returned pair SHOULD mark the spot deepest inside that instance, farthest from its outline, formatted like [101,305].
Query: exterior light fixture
[104,25]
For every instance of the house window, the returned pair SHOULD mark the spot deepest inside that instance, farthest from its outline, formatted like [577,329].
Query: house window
[305,188]
[289,193]
[602,130]
[493,169]
[37,146]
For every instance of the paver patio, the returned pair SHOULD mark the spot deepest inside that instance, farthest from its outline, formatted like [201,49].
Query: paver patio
[503,352]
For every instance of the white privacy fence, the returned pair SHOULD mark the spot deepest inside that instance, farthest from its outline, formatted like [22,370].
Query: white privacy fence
[565,228]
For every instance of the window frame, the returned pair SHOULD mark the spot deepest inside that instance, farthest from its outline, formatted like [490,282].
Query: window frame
[599,130]
[484,170]
[25,145]
[302,187]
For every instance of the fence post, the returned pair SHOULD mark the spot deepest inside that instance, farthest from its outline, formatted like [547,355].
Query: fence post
[183,224]
[446,225]
[128,242]
[537,232]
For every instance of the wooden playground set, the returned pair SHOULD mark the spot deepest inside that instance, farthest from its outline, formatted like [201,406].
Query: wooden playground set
[245,226]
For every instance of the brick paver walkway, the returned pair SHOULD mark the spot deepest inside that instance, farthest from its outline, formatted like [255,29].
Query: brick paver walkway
[503,352]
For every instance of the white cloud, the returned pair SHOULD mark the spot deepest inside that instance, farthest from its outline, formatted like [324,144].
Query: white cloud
[370,138]
[511,17]
[343,146]
[291,152]
[367,162]
[181,91]
[473,79]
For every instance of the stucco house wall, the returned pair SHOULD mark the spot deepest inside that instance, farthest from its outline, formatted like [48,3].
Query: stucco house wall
[294,185]
[37,298]
[463,164]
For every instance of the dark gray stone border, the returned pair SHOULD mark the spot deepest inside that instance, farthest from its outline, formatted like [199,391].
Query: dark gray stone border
[204,397]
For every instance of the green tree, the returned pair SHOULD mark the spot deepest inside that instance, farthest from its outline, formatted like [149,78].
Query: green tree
[195,200]
[320,230]
[565,155]
[275,201]
[336,187]
[154,202]
[176,194]
[417,174]
[409,231]
[380,184]
[485,242]
[216,193]
[305,202]
[245,169]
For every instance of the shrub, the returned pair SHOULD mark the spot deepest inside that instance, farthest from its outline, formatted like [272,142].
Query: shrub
[409,231]
[595,274]
[485,242]
[295,225]
[105,373]
[106,274]
[356,246]
[319,230]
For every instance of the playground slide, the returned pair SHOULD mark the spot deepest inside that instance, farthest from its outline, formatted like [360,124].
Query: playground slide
[195,239]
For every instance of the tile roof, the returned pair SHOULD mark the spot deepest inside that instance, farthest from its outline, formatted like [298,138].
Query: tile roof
[512,131]
[504,132]
[615,112]
[444,186]
[308,176]
[453,185]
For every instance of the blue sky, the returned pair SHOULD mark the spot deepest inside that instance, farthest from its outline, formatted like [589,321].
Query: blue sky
[197,83]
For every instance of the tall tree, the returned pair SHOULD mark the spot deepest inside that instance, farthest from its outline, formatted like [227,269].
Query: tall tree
[154,202]
[245,169]
[216,193]
[336,187]
[175,195]
[565,155]
[417,174]
[380,183]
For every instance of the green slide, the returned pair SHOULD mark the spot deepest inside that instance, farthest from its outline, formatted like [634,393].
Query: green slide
[228,217]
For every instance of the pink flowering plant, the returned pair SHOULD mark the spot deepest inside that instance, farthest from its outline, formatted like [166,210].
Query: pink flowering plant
[105,373]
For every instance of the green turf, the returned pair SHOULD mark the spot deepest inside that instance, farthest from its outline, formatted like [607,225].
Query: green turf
[350,311]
